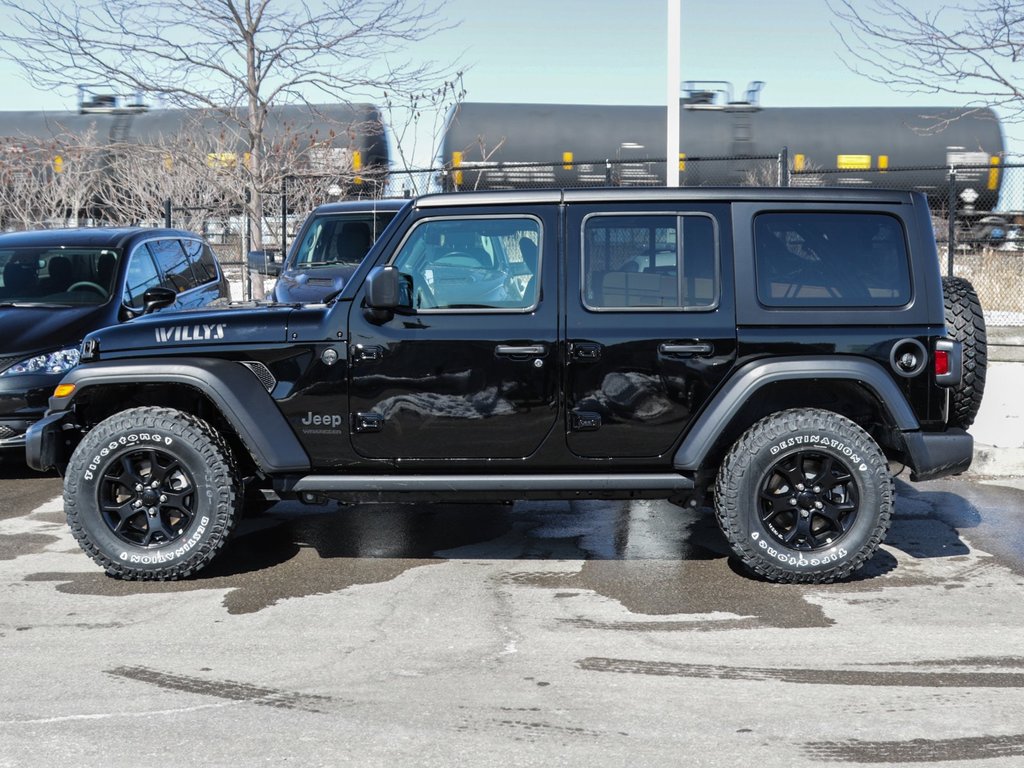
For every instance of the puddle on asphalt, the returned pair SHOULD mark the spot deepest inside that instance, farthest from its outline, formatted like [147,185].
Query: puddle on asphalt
[653,558]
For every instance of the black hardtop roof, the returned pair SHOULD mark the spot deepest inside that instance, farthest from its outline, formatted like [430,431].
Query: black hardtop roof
[667,194]
[363,206]
[87,237]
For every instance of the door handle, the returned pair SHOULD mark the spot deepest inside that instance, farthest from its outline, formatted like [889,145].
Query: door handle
[512,349]
[700,349]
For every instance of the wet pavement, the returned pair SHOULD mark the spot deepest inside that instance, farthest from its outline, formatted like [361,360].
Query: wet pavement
[587,633]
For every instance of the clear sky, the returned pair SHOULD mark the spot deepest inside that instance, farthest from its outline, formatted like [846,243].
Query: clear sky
[613,52]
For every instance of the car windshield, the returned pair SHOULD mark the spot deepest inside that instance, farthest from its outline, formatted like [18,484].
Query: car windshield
[57,275]
[339,240]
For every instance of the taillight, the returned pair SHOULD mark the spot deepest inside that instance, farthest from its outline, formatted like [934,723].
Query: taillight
[948,356]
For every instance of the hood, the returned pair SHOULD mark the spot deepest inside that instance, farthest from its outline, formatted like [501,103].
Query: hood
[310,286]
[29,329]
[248,323]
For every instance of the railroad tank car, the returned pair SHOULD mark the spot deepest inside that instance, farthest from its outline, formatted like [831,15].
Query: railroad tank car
[493,146]
[354,129]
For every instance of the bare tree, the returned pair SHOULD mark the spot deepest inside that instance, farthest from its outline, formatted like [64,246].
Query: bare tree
[417,116]
[973,51]
[236,58]
[52,182]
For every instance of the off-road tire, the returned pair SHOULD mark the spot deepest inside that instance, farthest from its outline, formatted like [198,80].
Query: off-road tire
[152,494]
[787,464]
[965,322]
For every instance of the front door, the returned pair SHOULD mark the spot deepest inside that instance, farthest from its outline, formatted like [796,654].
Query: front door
[469,367]
[650,332]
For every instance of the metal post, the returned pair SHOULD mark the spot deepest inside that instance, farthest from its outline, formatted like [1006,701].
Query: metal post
[608,171]
[951,230]
[284,217]
[784,167]
[167,213]
[672,94]
[247,244]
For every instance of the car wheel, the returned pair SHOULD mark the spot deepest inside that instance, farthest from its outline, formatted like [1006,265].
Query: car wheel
[804,496]
[151,493]
[965,322]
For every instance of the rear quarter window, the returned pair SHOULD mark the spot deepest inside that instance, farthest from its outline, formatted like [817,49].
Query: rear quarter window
[821,259]
[204,265]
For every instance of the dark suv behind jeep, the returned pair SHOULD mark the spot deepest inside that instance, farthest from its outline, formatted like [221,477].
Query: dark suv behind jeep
[769,351]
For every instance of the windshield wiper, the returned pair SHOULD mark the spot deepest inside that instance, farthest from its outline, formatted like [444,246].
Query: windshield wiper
[333,295]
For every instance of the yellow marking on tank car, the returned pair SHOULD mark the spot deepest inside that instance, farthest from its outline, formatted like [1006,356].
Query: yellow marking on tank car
[456,163]
[993,172]
[853,162]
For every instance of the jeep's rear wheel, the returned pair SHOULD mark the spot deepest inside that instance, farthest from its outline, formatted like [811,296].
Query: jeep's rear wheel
[965,322]
[151,493]
[804,496]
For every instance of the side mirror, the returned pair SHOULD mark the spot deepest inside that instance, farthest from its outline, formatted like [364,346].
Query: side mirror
[382,293]
[157,298]
[264,263]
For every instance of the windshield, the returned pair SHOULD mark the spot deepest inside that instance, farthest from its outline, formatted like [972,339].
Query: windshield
[339,239]
[57,276]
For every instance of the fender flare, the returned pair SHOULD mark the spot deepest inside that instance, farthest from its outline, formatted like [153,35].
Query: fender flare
[750,378]
[230,386]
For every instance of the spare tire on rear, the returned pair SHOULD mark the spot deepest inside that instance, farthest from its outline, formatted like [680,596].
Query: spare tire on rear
[965,322]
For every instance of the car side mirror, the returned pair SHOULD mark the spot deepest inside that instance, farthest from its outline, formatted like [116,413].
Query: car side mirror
[264,262]
[383,293]
[157,298]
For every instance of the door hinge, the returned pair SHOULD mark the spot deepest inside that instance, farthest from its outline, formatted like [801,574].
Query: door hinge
[367,422]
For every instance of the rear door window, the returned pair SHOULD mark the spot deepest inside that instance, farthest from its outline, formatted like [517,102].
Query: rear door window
[650,261]
[821,259]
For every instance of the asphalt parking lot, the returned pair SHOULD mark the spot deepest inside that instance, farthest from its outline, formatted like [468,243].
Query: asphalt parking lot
[591,633]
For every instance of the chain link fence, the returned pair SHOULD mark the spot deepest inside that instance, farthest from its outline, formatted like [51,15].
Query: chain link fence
[977,210]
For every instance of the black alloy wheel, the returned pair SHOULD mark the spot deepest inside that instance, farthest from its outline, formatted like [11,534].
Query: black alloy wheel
[808,501]
[148,498]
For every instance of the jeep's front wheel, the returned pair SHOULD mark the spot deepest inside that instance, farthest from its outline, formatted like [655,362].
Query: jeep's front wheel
[151,493]
[804,496]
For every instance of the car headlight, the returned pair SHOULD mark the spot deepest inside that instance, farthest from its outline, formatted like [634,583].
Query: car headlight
[61,361]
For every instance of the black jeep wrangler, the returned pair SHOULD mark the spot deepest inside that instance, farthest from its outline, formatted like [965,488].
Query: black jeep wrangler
[772,352]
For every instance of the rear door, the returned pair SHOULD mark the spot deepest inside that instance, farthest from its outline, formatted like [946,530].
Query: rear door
[470,367]
[650,330]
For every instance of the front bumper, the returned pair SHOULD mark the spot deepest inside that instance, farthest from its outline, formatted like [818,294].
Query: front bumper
[45,444]
[23,401]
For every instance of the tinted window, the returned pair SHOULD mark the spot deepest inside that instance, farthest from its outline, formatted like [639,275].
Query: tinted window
[472,263]
[648,261]
[831,260]
[57,276]
[339,240]
[142,275]
[204,266]
[170,257]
